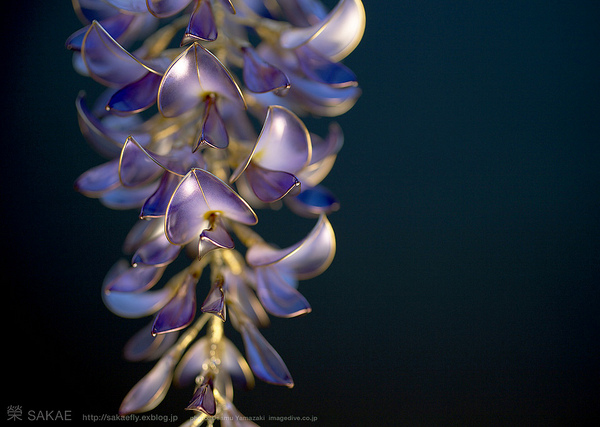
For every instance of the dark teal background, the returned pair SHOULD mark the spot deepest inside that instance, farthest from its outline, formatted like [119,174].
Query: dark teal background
[465,289]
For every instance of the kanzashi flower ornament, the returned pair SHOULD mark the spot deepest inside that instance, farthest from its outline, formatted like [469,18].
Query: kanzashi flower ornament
[201,126]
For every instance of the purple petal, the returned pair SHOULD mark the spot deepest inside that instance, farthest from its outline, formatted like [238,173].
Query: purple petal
[270,186]
[128,198]
[263,359]
[321,69]
[243,298]
[204,399]
[261,76]
[193,76]
[277,295]
[166,8]
[307,258]
[115,25]
[137,6]
[325,147]
[105,141]
[143,346]
[180,311]
[335,36]
[234,363]
[215,300]
[107,61]
[137,165]
[324,154]
[213,131]
[88,10]
[136,304]
[141,232]
[215,78]
[215,237]
[283,143]
[135,279]
[187,212]
[199,195]
[137,96]
[98,180]
[313,201]
[322,99]
[191,363]
[303,13]
[157,252]
[202,24]
[151,389]
[156,205]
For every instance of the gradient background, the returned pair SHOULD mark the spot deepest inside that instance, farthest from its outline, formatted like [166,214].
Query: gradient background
[465,289]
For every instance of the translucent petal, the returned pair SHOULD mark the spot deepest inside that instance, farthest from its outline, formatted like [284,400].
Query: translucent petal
[151,389]
[202,24]
[214,238]
[115,25]
[88,10]
[195,74]
[135,305]
[107,61]
[314,173]
[156,205]
[336,36]
[138,6]
[307,258]
[116,270]
[102,139]
[180,310]
[141,232]
[321,99]
[279,297]
[326,147]
[215,300]
[136,165]
[303,13]
[135,279]
[166,8]
[283,143]
[143,346]
[128,198]
[157,252]
[98,180]
[261,76]
[263,359]
[213,130]
[204,399]
[270,186]
[191,363]
[199,195]
[137,96]
[234,363]
[244,299]
[321,69]
[313,201]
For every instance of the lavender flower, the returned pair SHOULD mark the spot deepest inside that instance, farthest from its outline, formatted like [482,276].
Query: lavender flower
[184,80]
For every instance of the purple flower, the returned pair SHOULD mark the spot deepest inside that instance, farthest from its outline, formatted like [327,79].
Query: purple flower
[200,123]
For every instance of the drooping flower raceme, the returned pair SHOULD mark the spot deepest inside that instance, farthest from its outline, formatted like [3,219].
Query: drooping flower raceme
[201,126]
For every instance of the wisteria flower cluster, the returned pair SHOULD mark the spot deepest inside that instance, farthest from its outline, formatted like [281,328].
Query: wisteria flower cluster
[200,125]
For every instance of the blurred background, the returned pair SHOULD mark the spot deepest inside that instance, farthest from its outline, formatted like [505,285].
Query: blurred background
[465,288]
